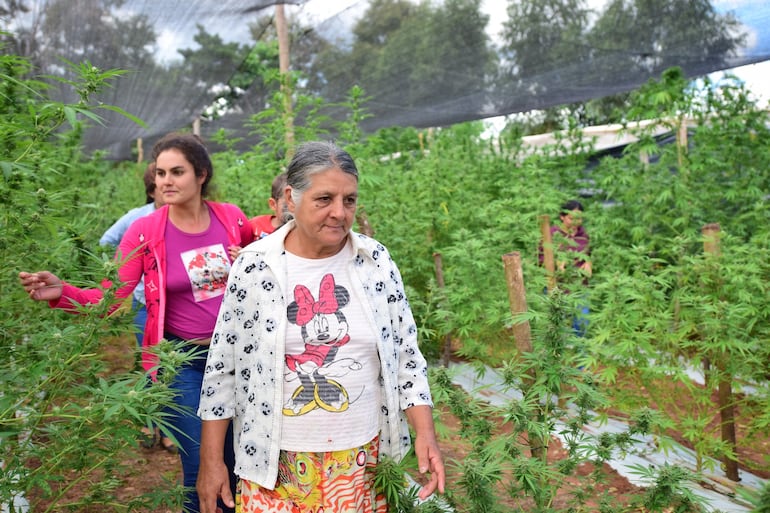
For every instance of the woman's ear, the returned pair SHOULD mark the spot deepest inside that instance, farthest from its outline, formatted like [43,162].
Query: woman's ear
[289,201]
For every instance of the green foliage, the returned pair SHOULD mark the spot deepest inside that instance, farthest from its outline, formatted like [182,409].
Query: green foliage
[64,422]
[391,479]
[668,489]
[657,302]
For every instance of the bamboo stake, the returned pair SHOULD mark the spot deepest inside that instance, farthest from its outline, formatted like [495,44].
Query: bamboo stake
[548,260]
[711,233]
[447,349]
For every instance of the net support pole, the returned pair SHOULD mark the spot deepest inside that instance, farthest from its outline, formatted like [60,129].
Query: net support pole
[282,30]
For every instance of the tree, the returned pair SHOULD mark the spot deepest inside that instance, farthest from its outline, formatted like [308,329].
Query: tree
[410,58]
[343,65]
[552,53]
[21,42]
[222,72]
[540,36]
[103,36]
[649,36]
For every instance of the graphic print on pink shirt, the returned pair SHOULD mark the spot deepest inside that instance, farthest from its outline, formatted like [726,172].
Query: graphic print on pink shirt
[208,268]
[324,331]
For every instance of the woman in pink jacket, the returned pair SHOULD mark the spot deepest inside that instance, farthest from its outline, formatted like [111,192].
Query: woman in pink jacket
[184,250]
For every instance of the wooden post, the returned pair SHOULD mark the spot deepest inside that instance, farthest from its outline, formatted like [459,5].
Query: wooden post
[514,277]
[363,222]
[447,349]
[283,68]
[196,126]
[681,140]
[139,151]
[517,297]
[711,233]
[548,260]
[711,239]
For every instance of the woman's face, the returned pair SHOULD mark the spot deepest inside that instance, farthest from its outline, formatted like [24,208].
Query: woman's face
[324,214]
[175,179]
[572,219]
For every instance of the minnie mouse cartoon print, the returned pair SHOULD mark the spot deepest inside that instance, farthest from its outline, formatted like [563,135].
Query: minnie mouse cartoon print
[324,330]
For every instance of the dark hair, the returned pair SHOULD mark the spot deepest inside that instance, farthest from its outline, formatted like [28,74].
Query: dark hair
[149,182]
[315,157]
[279,184]
[193,149]
[569,206]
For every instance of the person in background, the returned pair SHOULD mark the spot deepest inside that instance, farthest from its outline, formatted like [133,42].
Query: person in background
[115,233]
[570,236]
[268,223]
[184,250]
[315,360]
[112,237]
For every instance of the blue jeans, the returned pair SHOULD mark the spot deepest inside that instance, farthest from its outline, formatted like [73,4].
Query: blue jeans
[187,425]
[580,321]
[140,319]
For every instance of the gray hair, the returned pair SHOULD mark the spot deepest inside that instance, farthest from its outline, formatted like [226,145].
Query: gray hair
[314,157]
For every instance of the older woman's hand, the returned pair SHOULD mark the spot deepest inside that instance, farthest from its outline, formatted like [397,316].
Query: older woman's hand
[41,286]
[426,448]
[213,478]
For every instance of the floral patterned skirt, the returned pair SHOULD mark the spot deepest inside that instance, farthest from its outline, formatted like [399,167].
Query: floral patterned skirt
[318,482]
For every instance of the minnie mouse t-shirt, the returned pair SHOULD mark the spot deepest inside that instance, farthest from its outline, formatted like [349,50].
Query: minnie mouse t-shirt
[331,392]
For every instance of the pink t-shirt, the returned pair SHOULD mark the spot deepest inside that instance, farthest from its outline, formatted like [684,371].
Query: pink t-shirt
[197,271]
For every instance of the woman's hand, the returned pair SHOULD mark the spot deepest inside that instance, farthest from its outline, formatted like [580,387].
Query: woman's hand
[213,478]
[41,286]
[233,251]
[213,483]
[429,459]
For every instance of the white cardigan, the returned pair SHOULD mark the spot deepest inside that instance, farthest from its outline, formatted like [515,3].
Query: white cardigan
[245,366]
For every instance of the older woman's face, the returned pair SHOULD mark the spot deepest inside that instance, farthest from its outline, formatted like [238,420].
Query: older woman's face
[325,213]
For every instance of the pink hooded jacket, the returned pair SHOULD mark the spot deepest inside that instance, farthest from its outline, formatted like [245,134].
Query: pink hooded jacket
[144,249]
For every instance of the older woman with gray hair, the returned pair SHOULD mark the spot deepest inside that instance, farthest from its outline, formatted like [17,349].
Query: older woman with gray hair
[314,358]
